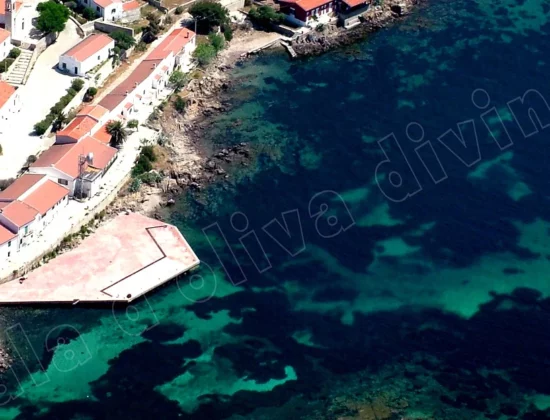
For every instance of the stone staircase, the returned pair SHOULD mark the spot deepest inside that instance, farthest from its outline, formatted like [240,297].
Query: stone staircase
[16,74]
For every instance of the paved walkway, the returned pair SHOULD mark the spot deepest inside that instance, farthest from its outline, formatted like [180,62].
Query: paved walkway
[43,89]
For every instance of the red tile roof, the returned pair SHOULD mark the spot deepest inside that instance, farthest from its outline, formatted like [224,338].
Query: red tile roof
[46,196]
[78,128]
[307,5]
[118,94]
[128,105]
[6,235]
[4,34]
[94,111]
[6,91]
[20,186]
[353,3]
[89,46]
[173,43]
[105,3]
[65,157]
[102,135]
[130,5]
[2,7]
[19,213]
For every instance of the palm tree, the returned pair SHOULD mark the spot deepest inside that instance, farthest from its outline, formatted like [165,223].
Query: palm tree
[118,133]
[59,122]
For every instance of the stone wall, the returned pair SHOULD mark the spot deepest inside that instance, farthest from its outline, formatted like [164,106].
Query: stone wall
[112,27]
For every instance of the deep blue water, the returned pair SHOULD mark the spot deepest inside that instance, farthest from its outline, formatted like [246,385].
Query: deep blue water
[334,284]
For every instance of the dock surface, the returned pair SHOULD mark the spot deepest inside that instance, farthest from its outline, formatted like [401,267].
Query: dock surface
[121,261]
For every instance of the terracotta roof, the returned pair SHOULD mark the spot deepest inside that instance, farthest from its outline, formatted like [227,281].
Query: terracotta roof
[128,105]
[157,77]
[307,5]
[20,186]
[106,3]
[18,5]
[65,157]
[46,196]
[2,7]
[6,235]
[89,46]
[94,111]
[164,68]
[78,128]
[102,135]
[173,43]
[353,3]
[4,35]
[118,94]
[130,5]
[19,213]
[6,91]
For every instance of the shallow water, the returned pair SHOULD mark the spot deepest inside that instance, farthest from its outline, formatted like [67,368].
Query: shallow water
[325,292]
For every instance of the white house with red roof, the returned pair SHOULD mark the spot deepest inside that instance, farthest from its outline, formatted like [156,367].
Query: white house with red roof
[28,205]
[114,10]
[87,54]
[5,43]
[10,104]
[77,166]
[10,18]
[308,12]
[152,74]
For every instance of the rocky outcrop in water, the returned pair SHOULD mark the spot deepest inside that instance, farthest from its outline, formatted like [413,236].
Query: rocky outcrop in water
[378,16]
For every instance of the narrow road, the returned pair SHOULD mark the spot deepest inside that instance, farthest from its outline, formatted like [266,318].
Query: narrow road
[43,89]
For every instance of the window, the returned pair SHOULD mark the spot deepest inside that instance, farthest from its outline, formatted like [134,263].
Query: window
[26,230]
[9,253]
[113,11]
[99,57]
[9,244]
[97,8]
[62,181]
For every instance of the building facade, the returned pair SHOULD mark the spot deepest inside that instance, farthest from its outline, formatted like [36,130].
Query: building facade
[5,43]
[87,54]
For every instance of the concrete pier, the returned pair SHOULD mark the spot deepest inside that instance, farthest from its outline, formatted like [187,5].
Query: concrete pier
[121,261]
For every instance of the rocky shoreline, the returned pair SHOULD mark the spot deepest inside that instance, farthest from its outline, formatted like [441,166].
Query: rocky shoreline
[378,17]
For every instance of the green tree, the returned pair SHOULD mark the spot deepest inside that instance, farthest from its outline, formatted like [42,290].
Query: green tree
[123,40]
[132,124]
[179,104]
[227,32]
[52,17]
[153,29]
[204,54]
[209,14]
[217,41]
[89,13]
[265,16]
[77,84]
[59,122]
[178,79]
[118,133]
[14,53]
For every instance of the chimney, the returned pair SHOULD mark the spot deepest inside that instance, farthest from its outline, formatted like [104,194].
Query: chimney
[187,34]
[126,94]
[154,65]
[136,84]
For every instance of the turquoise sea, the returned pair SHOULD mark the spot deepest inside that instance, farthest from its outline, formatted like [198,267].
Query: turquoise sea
[385,255]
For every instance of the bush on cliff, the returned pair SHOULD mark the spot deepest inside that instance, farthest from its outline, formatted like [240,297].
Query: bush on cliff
[209,14]
[265,16]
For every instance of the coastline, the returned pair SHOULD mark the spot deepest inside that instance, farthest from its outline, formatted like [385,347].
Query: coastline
[193,164]
[189,163]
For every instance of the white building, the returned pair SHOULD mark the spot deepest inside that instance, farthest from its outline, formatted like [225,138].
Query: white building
[152,74]
[87,54]
[26,207]
[114,10]
[74,165]
[10,104]
[13,20]
[5,43]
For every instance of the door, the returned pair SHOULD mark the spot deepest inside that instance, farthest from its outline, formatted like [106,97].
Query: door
[76,70]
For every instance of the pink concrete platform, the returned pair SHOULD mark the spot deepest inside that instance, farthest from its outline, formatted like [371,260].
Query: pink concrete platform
[121,261]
